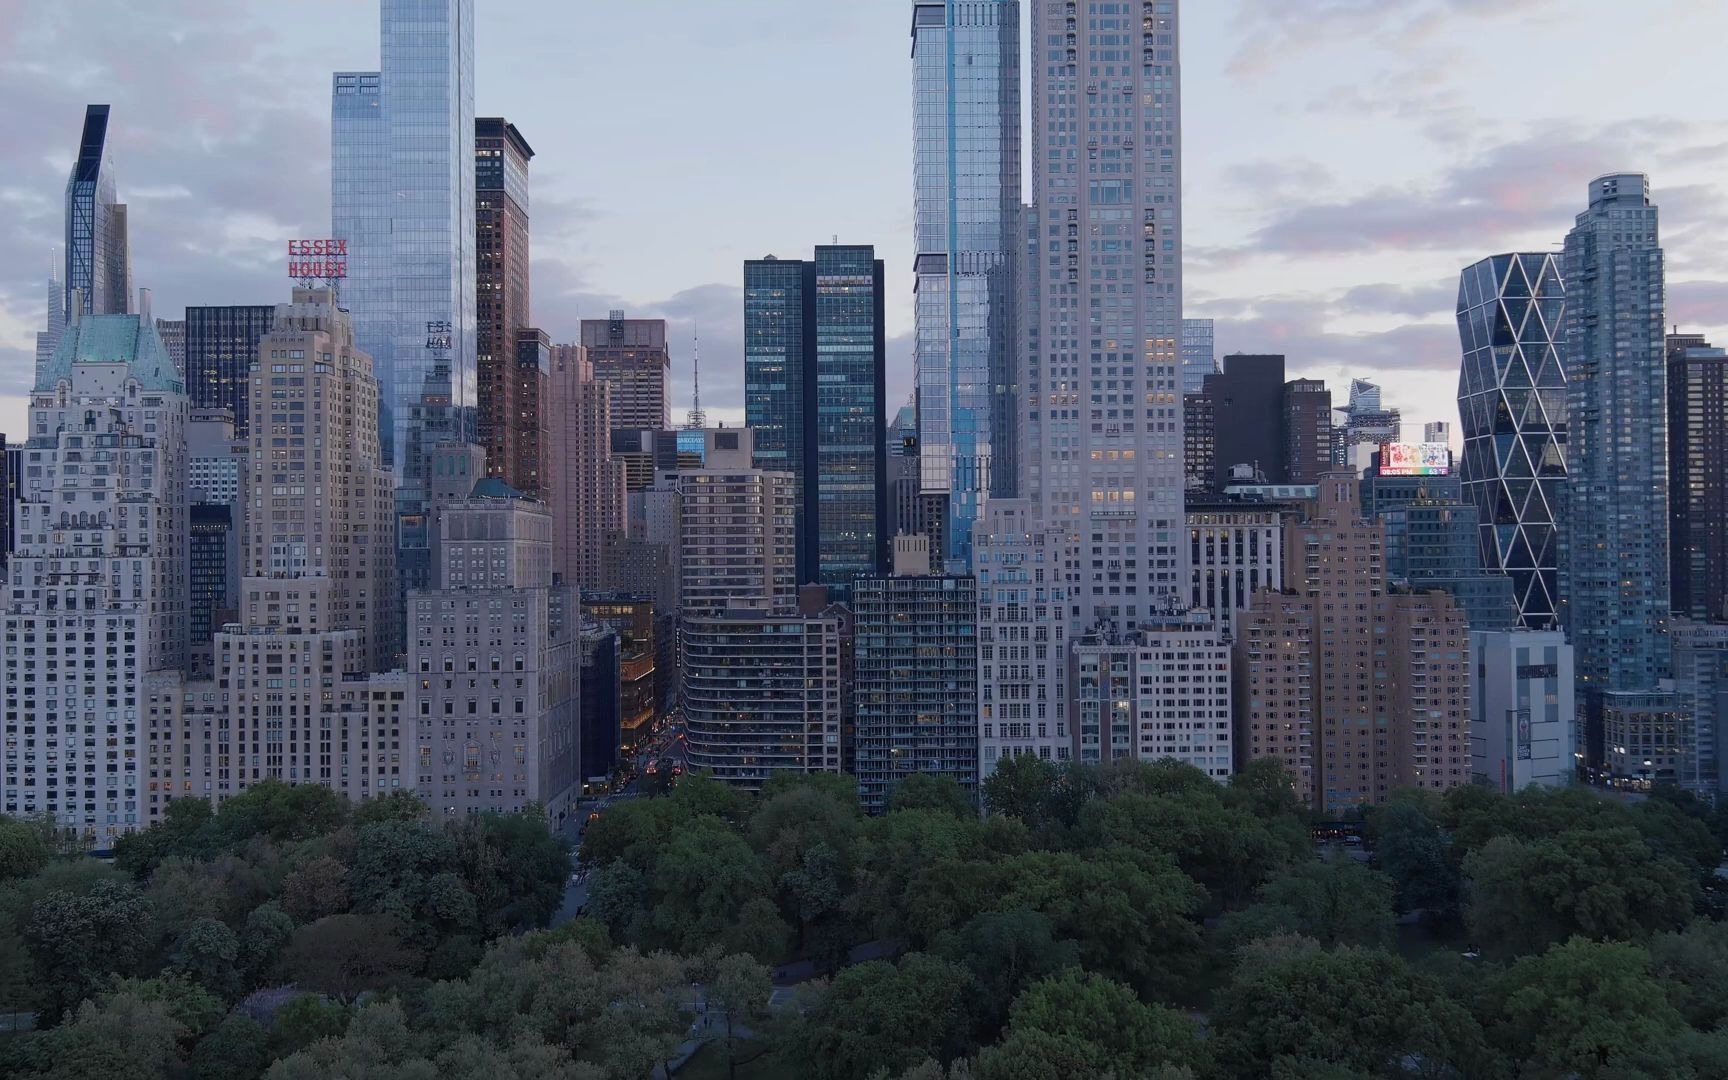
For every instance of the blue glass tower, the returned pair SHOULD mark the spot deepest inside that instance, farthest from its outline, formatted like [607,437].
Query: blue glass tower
[966,130]
[402,195]
[1614,583]
[97,260]
[815,384]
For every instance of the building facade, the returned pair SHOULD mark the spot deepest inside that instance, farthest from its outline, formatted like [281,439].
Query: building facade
[1357,689]
[1698,477]
[762,694]
[586,489]
[966,181]
[1199,354]
[98,278]
[1512,406]
[1521,728]
[601,682]
[493,664]
[1701,679]
[1367,426]
[1160,693]
[1307,431]
[914,676]
[1235,549]
[1648,738]
[213,541]
[737,531]
[1614,585]
[221,347]
[1103,440]
[1028,575]
[633,617]
[631,358]
[1432,542]
[1248,417]
[98,576]
[502,296]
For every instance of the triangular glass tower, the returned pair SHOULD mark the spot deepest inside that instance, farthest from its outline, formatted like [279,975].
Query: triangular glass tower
[1511,402]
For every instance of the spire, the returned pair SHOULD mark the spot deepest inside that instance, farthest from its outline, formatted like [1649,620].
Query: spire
[696,420]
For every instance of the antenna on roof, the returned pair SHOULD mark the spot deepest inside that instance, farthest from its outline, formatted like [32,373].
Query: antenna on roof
[696,420]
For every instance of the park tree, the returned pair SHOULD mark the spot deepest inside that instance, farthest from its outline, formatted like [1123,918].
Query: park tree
[1074,1024]
[881,1015]
[79,941]
[121,1036]
[23,849]
[926,791]
[1336,902]
[315,888]
[1411,852]
[344,955]
[1006,951]
[239,1049]
[738,988]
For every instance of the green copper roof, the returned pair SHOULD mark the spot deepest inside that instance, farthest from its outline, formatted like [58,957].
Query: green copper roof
[491,487]
[114,339]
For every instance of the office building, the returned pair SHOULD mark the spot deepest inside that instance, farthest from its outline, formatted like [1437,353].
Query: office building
[762,694]
[1437,431]
[402,198]
[967,228]
[736,528]
[1701,680]
[55,323]
[1614,584]
[1698,476]
[216,460]
[1522,727]
[1199,442]
[493,663]
[11,486]
[1512,406]
[601,686]
[100,571]
[639,631]
[533,375]
[1248,417]
[1199,354]
[914,677]
[1307,431]
[221,347]
[1648,738]
[1357,689]
[585,489]
[1433,542]
[631,358]
[1367,426]
[502,297]
[1103,441]
[213,541]
[1028,576]
[98,254]
[904,503]
[1235,549]
[814,345]
[1159,693]
[173,335]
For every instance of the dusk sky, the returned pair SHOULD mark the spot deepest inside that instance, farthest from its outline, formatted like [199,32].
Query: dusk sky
[1344,158]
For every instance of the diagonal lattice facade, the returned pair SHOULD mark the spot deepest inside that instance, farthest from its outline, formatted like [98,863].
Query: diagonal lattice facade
[1512,405]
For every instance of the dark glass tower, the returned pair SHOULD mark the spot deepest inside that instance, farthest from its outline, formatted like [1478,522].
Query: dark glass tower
[221,347]
[1698,476]
[98,265]
[820,395]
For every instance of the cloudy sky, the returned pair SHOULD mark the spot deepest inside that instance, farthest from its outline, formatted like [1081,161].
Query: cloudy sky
[1344,157]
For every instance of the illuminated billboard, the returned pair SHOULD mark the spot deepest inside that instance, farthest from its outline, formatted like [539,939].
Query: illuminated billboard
[1415,459]
[309,259]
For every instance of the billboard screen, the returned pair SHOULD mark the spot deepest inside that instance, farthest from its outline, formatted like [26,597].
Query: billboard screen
[1415,459]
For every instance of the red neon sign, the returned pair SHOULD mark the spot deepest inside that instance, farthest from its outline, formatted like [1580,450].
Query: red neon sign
[326,259]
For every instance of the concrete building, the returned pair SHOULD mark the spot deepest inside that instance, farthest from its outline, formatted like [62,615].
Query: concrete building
[1199,441]
[1235,549]
[762,694]
[11,486]
[586,490]
[1359,690]
[502,294]
[1028,573]
[1614,569]
[1160,693]
[533,375]
[221,346]
[173,335]
[1437,431]
[1512,403]
[633,617]
[1307,431]
[493,663]
[1248,417]
[1701,679]
[97,596]
[1521,726]
[631,358]
[736,531]
[1698,476]
[216,459]
[1648,738]
[915,676]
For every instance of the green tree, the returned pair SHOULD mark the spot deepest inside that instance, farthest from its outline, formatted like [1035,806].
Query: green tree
[738,990]
[1603,884]
[1024,787]
[706,873]
[1075,1024]
[79,941]
[1337,902]
[305,1020]
[123,1036]
[879,1015]
[316,888]
[618,898]
[186,829]
[925,791]
[1291,1004]
[760,931]
[514,867]
[1410,851]
[208,952]
[1693,965]
[281,812]
[23,850]
[239,1049]
[344,955]
[1226,849]
[400,805]
[192,1006]
[262,940]
[1267,789]
[1589,1009]
[1006,951]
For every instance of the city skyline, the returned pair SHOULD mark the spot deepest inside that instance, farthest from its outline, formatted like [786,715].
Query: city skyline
[1480,165]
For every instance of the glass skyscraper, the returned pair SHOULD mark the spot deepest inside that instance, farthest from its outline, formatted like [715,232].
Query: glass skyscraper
[1512,404]
[1103,437]
[98,261]
[402,195]
[1614,586]
[815,382]
[1199,354]
[966,129]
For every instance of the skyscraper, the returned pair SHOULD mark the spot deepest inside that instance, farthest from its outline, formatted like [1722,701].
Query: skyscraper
[1307,431]
[98,258]
[1104,450]
[1512,405]
[736,531]
[1698,476]
[966,129]
[1248,416]
[221,347]
[1199,354]
[1614,586]
[502,297]
[631,357]
[585,487]
[1367,427]
[915,675]
[100,569]
[55,324]
[833,375]
[402,196]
